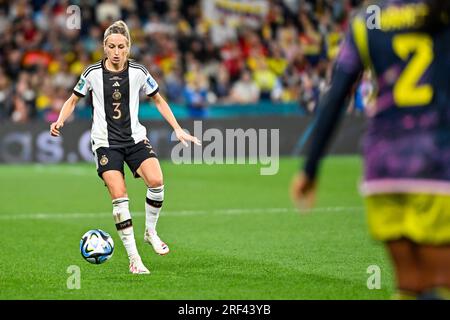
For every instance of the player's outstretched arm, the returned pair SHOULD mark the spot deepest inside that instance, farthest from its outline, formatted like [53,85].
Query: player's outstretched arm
[303,187]
[65,113]
[348,67]
[167,113]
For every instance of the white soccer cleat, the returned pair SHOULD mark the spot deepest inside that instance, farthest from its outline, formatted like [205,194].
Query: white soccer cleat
[160,247]
[137,267]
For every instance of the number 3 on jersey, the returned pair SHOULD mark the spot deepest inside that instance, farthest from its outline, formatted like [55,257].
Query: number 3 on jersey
[407,91]
[117,112]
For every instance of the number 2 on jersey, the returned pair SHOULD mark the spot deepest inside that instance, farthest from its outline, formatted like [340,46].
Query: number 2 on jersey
[407,91]
[116,109]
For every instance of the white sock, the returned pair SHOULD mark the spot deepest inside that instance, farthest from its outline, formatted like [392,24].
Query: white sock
[153,204]
[124,225]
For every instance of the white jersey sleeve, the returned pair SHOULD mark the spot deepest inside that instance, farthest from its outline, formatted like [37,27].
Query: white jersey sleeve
[150,86]
[82,86]
[147,83]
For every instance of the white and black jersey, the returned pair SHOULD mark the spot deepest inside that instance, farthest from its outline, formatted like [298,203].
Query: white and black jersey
[115,102]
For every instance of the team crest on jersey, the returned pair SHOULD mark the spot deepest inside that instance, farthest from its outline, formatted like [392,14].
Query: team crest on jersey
[117,95]
[104,160]
[80,84]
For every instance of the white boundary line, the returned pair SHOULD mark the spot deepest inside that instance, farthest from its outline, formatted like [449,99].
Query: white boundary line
[236,211]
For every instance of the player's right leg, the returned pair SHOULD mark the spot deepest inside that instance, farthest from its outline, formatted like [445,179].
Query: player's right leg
[404,255]
[116,186]
[435,264]
[422,263]
[150,171]
[431,221]
[110,169]
[386,216]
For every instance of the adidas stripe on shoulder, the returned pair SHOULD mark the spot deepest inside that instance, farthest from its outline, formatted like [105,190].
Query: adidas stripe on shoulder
[92,67]
[139,66]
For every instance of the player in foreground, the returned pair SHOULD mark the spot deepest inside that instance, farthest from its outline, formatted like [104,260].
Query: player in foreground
[407,144]
[117,136]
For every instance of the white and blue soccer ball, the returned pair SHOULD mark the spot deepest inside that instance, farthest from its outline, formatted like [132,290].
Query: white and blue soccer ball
[96,246]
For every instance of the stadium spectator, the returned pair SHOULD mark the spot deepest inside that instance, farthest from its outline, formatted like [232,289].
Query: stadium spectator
[309,93]
[245,90]
[232,58]
[221,85]
[196,96]
[5,95]
[174,84]
[276,62]
[265,79]
[23,100]
[221,33]
[107,11]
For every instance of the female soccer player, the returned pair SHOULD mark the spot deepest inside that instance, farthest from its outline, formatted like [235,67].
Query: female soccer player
[407,144]
[117,136]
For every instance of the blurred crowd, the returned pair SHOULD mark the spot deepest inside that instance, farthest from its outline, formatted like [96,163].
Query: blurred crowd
[197,61]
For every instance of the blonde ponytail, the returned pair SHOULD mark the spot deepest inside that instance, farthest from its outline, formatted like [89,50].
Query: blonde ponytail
[118,27]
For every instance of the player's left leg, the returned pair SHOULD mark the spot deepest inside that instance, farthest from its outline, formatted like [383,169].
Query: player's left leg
[143,163]
[150,171]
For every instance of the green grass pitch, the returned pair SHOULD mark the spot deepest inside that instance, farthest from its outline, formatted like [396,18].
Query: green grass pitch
[233,234]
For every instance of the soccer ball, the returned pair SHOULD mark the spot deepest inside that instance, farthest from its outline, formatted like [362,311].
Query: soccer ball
[96,246]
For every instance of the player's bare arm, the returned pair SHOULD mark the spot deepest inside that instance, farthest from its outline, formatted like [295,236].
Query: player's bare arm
[167,113]
[65,113]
